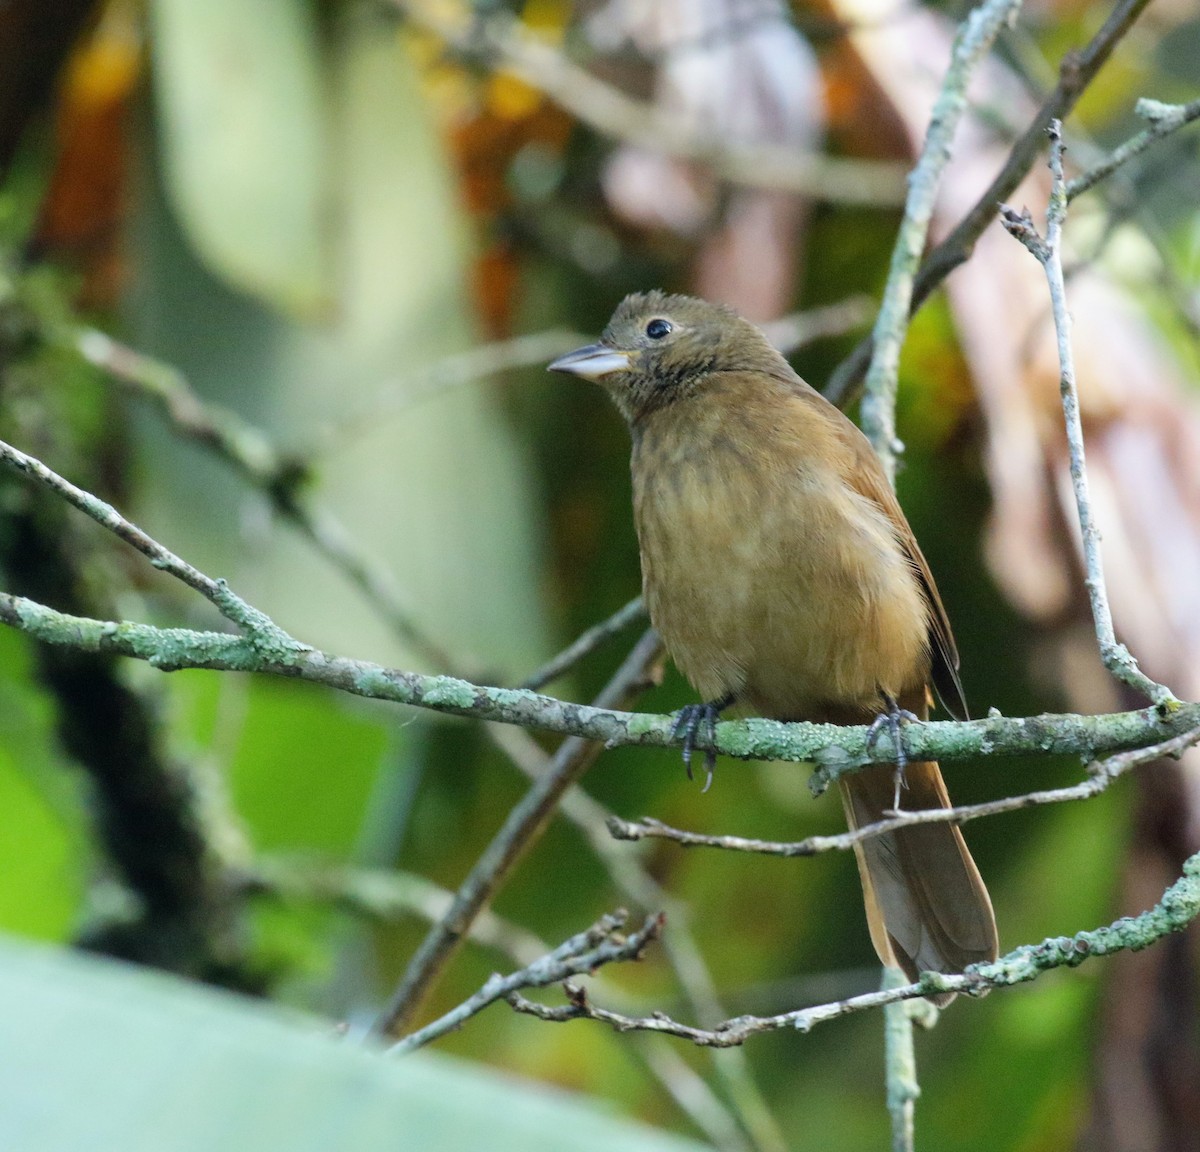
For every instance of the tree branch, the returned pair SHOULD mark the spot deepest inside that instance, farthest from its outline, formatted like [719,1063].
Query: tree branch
[972,42]
[585,644]
[601,944]
[524,823]
[1048,252]
[250,620]
[282,477]
[1076,72]
[1179,906]
[834,749]
[1101,775]
[1164,119]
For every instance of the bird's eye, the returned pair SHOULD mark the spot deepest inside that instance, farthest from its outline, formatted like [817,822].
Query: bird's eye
[658,328]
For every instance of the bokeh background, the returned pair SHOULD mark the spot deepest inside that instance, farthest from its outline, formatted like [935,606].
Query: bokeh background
[358,234]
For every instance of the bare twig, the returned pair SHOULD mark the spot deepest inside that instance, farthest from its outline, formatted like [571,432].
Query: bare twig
[1179,906]
[1164,119]
[586,643]
[454,371]
[249,619]
[534,349]
[974,39]
[503,42]
[1048,252]
[1101,775]
[797,329]
[601,944]
[283,478]
[380,895]
[520,829]
[222,431]
[1076,72]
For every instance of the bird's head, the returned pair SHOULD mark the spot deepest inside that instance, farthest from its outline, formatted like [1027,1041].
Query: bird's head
[659,348]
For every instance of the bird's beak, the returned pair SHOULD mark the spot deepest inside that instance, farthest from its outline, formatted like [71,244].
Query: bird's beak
[592,362]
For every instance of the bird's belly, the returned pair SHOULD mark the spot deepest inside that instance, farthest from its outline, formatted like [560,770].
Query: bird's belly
[795,598]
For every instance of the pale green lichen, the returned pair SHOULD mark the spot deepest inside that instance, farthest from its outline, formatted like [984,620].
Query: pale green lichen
[448,693]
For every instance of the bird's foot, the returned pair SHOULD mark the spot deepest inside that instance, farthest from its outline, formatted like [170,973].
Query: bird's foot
[688,722]
[893,720]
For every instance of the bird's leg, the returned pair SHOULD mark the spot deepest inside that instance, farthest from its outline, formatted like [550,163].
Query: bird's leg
[892,720]
[687,723]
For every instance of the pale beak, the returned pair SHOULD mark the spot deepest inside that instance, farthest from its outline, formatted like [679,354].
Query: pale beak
[592,362]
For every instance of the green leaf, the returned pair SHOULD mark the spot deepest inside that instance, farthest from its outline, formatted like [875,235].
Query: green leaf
[242,132]
[108,1057]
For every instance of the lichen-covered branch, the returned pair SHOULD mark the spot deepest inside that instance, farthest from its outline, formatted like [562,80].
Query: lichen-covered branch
[1101,775]
[975,37]
[1048,253]
[835,750]
[601,944]
[1163,118]
[1077,70]
[1179,906]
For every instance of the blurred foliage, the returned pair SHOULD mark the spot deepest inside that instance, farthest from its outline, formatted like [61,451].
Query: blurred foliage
[302,212]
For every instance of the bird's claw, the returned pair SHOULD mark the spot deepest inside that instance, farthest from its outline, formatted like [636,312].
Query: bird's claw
[687,724]
[893,720]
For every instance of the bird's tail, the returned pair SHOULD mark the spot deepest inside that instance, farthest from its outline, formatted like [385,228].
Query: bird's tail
[927,906]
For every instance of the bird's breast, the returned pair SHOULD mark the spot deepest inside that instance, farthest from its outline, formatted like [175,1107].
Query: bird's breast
[767,575]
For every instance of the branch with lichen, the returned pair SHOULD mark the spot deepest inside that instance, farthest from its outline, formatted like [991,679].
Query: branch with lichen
[1179,906]
[602,943]
[833,749]
[1101,774]
[974,39]
[1076,72]
[1047,251]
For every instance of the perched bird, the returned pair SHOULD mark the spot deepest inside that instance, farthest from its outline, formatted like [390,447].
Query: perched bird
[783,577]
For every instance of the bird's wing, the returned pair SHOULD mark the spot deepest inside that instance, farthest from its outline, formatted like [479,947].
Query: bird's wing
[866,475]
[869,480]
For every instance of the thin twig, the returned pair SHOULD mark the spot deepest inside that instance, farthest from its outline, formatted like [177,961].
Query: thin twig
[284,478]
[1179,906]
[586,643]
[1048,252]
[219,429]
[453,371]
[1076,72]
[1164,119]
[231,606]
[601,944]
[798,329]
[520,829]
[379,895]
[534,349]
[679,946]
[503,42]
[972,42]
[1101,775]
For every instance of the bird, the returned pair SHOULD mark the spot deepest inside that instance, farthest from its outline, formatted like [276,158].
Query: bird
[784,579]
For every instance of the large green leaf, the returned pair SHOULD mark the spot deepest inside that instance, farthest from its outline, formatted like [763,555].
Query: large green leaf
[110,1058]
[238,90]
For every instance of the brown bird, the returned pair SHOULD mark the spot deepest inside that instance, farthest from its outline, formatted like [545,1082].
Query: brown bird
[782,575]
